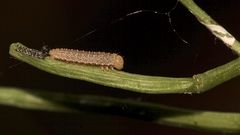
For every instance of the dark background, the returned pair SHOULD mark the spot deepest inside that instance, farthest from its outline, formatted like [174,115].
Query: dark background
[146,41]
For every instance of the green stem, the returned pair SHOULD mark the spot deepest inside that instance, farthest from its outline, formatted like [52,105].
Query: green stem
[112,78]
[160,114]
[212,25]
[132,82]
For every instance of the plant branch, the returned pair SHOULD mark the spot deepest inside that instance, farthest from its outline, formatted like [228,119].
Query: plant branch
[132,82]
[160,114]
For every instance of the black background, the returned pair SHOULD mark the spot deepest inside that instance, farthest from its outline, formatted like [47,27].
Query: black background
[146,41]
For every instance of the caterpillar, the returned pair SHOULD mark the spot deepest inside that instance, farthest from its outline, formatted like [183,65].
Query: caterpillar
[104,59]
[40,54]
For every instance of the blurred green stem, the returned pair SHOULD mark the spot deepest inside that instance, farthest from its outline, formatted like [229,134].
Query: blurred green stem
[59,102]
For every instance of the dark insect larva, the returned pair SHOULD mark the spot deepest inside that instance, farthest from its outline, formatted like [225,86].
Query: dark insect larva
[40,54]
[111,60]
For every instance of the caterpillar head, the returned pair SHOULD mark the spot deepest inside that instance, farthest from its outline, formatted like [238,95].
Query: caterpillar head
[118,62]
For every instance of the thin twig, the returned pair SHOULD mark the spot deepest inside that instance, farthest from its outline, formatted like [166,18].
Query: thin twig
[216,29]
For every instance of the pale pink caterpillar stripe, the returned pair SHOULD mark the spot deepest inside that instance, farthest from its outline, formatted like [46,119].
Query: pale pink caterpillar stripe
[85,57]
